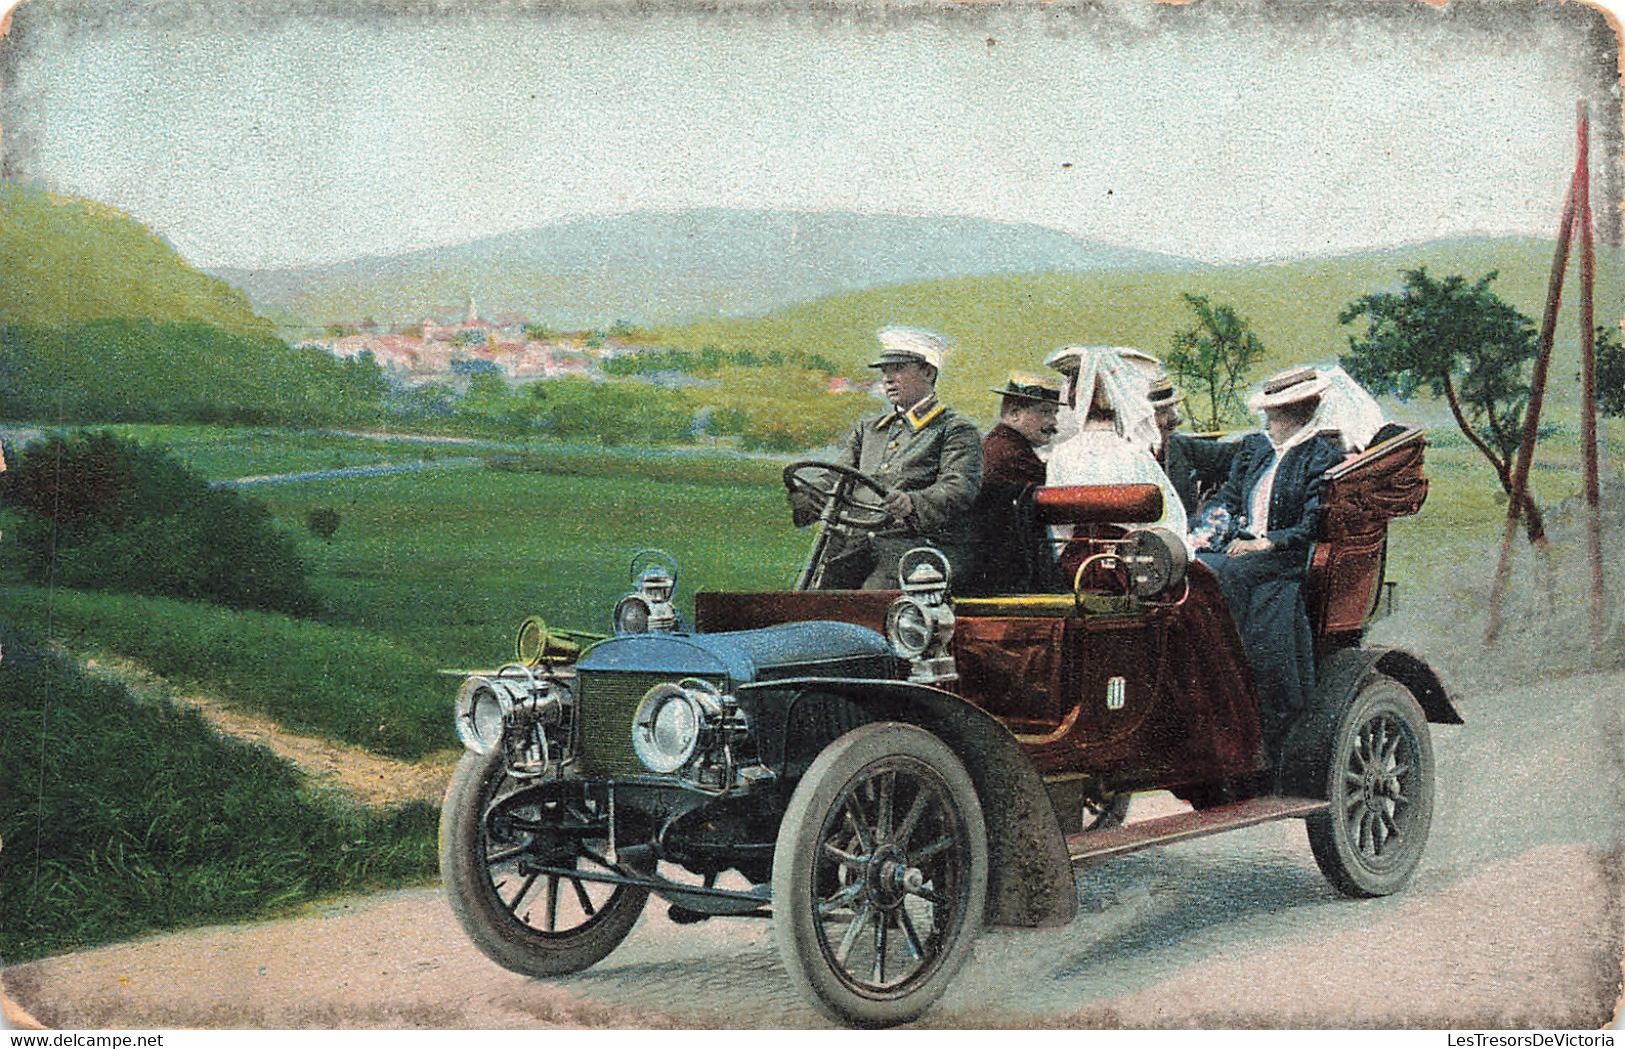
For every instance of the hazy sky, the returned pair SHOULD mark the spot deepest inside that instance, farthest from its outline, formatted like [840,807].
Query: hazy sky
[1222,131]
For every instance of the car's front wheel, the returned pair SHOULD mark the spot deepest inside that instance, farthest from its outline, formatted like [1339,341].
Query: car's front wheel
[1378,769]
[880,875]
[521,874]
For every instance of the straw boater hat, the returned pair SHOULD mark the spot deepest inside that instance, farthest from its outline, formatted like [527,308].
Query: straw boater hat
[1289,387]
[1030,387]
[910,346]
[1162,393]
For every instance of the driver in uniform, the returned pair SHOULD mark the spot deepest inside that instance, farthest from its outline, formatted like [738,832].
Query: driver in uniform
[926,456]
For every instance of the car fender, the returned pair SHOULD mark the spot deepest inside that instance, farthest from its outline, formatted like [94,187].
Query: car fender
[1340,677]
[1345,670]
[1030,875]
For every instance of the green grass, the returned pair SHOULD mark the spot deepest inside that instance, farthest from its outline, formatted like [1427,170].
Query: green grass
[123,817]
[448,564]
[1010,322]
[224,454]
[435,571]
[227,453]
[354,685]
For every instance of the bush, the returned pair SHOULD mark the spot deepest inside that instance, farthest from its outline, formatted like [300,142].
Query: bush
[100,512]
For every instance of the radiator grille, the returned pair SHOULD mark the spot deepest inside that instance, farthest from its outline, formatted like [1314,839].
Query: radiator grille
[607,702]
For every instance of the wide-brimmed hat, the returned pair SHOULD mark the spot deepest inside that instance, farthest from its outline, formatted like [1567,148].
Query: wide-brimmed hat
[1289,387]
[1029,387]
[910,346]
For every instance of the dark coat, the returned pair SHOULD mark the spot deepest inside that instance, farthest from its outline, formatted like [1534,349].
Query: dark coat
[1295,498]
[1001,551]
[1197,466]
[1264,589]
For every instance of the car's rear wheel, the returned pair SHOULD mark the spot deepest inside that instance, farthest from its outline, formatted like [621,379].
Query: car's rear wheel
[507,867]
[1378,769]
[880,875]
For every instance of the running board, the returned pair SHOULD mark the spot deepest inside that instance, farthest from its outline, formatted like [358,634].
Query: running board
[1183,826]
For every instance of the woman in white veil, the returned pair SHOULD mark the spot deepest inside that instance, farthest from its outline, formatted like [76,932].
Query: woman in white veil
[1114,380]
[1345,407]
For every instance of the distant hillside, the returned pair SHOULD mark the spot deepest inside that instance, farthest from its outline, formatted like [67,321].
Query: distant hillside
[664,267]
[67,260]
[999,323]
[101,321]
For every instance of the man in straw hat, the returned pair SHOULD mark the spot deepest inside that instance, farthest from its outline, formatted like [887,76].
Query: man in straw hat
[1261,522]
[926,455]
[1028,409]
[1195,467]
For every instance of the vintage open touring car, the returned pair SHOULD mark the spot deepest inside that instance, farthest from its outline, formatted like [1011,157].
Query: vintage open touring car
[881,773]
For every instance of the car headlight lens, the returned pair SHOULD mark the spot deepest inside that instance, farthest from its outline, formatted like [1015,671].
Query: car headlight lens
[672,722]
[482,707]
[908,627]
[632,615]
[665,729]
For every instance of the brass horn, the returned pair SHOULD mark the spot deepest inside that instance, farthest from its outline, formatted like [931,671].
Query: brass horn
[536,644]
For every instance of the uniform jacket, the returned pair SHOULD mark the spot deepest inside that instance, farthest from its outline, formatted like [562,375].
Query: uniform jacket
[932,453]
[1294,513]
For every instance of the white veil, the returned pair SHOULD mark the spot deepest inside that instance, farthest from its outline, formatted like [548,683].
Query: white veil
[1124,374]
[1346,407]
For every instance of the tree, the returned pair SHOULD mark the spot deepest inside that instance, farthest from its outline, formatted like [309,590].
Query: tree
[1214,356]
[1610,372]
[1459,341]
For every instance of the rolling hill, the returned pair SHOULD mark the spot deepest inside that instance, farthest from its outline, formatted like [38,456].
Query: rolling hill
[102,321]
[69,260]
[665,267]
[1000,323]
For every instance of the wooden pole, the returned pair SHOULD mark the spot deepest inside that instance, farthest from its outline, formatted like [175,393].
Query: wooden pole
[1537,390]
[1588,382]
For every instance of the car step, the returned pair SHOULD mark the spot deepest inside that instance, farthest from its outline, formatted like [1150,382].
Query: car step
[1186,825]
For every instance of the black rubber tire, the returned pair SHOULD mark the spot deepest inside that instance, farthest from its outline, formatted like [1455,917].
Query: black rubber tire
[1375,758]
[489,920]
[905,764]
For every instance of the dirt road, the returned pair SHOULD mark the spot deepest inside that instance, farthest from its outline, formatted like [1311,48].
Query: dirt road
[1515,920]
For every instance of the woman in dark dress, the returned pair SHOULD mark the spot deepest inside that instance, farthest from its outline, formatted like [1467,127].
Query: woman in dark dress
[1257,530]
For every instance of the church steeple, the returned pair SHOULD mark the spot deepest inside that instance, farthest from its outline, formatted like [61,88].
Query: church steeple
[469,316]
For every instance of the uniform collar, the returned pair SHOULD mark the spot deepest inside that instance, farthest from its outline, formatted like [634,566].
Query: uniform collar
[917,417]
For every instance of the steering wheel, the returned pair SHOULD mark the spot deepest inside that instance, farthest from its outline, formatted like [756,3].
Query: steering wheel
[845,502]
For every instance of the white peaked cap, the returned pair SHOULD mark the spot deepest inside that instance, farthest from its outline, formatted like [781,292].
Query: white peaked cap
[899,345]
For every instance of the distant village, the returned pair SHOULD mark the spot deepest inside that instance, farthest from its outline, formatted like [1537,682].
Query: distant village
[435,350]
[439,350]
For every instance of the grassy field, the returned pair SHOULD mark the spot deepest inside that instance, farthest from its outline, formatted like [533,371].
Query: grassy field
[432,571]
[427,571]
[1010,322]
[448,564]
[125,815]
